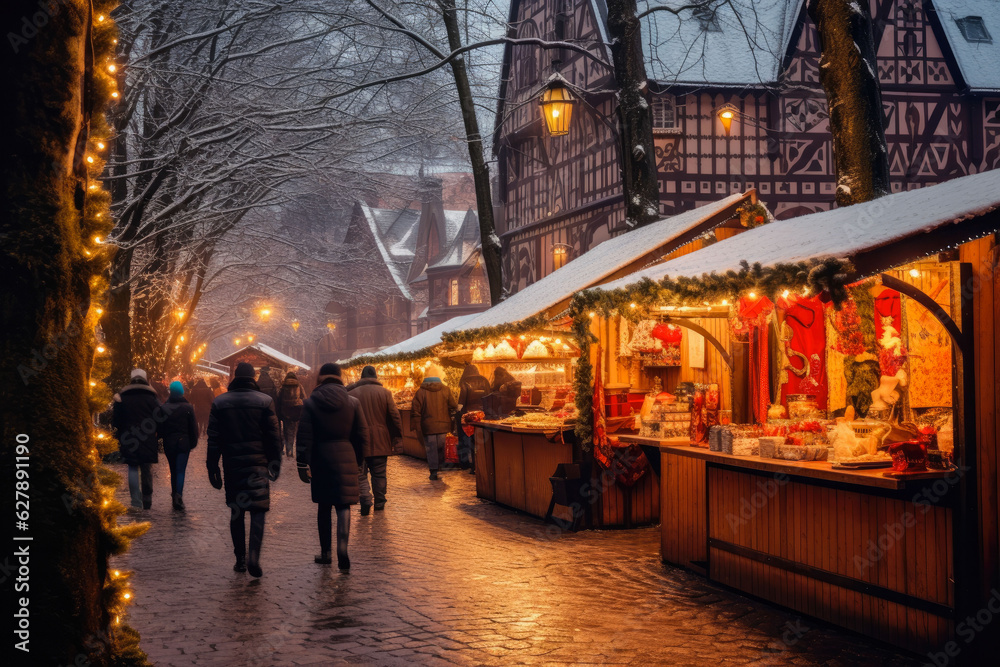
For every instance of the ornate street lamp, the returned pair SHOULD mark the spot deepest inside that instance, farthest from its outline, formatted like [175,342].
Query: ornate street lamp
[726,114]
[557,106]
[296,324]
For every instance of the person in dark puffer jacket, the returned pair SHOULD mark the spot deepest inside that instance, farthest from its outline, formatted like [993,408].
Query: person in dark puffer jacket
[243,431]
[431,416]
[290,398]
[332,438]
[180,435]
[472,388]
[136,417]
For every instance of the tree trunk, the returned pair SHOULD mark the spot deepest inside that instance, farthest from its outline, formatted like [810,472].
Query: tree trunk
[480,171]
[638,163]
[48,342]
[848,73]
[116,323]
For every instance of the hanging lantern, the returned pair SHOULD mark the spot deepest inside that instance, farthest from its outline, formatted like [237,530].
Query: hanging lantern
[557,107]
[332,326]
[249,338]
[296,324]
[726,115]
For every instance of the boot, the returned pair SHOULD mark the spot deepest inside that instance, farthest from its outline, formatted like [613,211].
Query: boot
[324,558]
[365,509]
[434,474]
[241,564]
[253,564]
[343,562]
[178,501]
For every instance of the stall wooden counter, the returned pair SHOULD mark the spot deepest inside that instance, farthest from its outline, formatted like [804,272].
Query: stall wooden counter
[871,553]
[514,464]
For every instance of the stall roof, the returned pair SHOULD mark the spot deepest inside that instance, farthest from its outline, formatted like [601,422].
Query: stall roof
[422,341]
[267,351]
[873,235]
[617,256]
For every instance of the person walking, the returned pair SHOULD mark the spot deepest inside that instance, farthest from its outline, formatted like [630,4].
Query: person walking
[136,417]
[266,384]
[180,435]
[216,387]
[331,441]
[201,399]
[290,398]
[385,431]
[472,388]
[243,431]
[431,417]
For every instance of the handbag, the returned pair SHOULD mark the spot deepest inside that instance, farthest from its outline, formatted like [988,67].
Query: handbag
[451,448]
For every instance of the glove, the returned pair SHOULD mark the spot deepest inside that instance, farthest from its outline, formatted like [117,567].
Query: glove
[273,470]
[304,475]
[215,477]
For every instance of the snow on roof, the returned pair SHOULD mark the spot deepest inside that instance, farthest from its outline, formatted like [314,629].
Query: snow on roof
[396,267]
[422,341]
[738,43]
[596,264]
[979,61]
[841,233]
[270,352]
[464,243]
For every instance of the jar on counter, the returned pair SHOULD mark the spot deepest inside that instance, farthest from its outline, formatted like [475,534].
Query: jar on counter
[802,406]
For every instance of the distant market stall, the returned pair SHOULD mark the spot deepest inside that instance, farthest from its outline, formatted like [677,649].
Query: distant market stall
[526,435]
[812,388]
[261,356]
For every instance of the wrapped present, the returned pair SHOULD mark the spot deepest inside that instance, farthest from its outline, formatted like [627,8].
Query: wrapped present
[726,441]
[715,438]
[769,446]
[791,453]
[746,446]
[909,456]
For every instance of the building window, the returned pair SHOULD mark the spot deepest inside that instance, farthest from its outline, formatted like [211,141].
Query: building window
[560,255]
[973,29]
[665,114]
[476,290]
[453,293]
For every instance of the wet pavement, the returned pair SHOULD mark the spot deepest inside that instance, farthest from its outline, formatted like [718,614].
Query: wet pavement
[441,577]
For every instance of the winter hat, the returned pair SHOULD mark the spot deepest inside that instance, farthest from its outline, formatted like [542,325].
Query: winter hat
[434,371]
[329,371]
[244,370]
[176,388]
[138,373]
[368,372]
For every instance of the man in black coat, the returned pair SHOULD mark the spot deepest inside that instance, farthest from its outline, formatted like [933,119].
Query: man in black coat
[180,435]
[243,431]
[472,388]
[136,417]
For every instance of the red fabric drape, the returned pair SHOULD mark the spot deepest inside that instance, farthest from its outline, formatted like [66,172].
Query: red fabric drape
[805,318]
[760,374]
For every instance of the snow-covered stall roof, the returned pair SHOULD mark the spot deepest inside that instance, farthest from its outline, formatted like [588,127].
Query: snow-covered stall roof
[267,351]
[978,59]
[735,43]
[842,233]
[598,264]
[422,341]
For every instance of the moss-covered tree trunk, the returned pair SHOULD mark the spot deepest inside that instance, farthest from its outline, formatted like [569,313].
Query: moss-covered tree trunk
[638,163]
[50,223]
[849,75]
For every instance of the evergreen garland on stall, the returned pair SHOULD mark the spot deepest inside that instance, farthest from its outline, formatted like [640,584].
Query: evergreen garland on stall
[484,335]
[375,358]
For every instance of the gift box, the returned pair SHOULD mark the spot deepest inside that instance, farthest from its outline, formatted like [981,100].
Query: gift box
[769,446]
[746,446]
[726,441]
[908,456]
[715,439]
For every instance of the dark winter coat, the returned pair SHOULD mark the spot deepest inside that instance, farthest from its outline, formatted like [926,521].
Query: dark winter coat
[290,399]
[161,390]
[243,430]
[433,406]
[201,398]
[331,440]
[136,418]
[385,428]
[266,385]
[473,387]
[179,429]
[509,389]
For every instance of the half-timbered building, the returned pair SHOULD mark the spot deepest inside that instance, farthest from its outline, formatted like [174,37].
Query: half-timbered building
[938,65]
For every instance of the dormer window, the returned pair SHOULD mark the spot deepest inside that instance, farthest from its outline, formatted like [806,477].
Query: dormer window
[665,114]
[973,29]
[707,17]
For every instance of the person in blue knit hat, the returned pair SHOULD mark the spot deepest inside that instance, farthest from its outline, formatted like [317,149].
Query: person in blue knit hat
[180,435]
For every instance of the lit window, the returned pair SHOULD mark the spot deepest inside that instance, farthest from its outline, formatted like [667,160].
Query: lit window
[453,293]
[476,290]
[560,253]
[664,113]
[973,29]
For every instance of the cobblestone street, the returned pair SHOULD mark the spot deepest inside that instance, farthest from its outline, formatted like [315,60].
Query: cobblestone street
[441,577]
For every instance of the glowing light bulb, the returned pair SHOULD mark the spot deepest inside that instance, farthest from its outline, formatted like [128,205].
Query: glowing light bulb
[632,305]
[111,68]
[114,95]
[127,596]
[785,294]
[100,19]
[118,573]
[93,186]
[725,302]
[97,240]
[914,273]
[555,113]
[100,348]
[592,313]
[93,384]
[752,295]
[90,159]
[104,504]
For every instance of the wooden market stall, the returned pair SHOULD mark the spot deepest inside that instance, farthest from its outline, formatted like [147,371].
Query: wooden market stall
[517,457]
[262,356]
[838,454]
[400,369]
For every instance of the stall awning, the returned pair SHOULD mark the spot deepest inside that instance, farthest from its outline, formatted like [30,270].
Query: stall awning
[266,352]
[609,260]
[422,342]
[873,236]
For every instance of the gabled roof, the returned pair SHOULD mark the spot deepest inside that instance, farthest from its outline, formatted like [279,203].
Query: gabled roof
[267,351]
[978,62]
[448,225]
[874,235]
[397,264]
[627,252]
[466,243]
[745,44]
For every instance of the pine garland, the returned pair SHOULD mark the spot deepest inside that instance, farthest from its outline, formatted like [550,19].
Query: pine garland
[376,358]
[495,333]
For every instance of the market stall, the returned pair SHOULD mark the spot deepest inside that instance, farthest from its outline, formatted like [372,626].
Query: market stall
[401,368]
[813,394]
[528,335]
